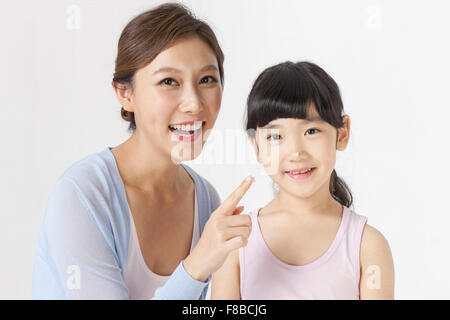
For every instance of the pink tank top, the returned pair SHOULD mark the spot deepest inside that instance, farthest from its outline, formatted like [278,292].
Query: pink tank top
[334,275]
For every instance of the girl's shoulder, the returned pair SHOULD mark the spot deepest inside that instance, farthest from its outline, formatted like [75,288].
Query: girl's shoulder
[376,263]
[354,215]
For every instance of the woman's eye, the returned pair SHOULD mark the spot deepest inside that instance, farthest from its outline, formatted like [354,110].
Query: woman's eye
[208,79]
[168,82]
[274,137]
[312,130]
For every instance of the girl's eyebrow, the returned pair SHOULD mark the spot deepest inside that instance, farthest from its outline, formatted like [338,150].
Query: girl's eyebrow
[304,121]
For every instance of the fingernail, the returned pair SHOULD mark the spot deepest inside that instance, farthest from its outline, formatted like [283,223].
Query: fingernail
[248,178]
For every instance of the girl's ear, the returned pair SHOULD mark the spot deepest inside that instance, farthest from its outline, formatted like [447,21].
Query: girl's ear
[343,134]
[123,94]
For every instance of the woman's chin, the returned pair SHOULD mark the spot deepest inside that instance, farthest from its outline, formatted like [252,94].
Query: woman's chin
[185,151]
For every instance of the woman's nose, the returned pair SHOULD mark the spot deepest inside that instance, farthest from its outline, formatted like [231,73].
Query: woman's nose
[191,101]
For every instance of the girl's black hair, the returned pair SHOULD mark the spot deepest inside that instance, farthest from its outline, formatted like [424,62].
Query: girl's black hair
[289,90]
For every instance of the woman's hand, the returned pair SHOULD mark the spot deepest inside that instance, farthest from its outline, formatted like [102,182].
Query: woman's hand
[225,231]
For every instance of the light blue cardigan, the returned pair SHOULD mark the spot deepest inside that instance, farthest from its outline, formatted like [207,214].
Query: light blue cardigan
[86,228]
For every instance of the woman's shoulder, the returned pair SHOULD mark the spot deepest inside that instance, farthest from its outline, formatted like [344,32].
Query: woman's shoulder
[92,169]
[92,181]
[88,191]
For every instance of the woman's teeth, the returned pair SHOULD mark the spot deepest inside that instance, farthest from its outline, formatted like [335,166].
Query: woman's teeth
[187,132]
[186,127]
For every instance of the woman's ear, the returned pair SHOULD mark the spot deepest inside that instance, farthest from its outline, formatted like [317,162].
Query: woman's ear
[123,94]
[343,134]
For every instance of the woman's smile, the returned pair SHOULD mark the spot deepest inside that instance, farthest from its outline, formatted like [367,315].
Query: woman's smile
[187,131]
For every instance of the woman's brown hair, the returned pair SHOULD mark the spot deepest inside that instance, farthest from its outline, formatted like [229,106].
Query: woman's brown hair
[149,33]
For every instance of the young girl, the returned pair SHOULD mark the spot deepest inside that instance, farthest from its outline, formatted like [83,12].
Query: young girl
[306,243]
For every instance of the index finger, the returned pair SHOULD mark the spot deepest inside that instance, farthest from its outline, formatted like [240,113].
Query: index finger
[227,207]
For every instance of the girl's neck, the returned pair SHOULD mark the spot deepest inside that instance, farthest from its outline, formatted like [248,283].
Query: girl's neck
[143,167]
[319,203]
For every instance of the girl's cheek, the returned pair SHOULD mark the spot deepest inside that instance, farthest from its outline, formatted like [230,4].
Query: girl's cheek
[270,158]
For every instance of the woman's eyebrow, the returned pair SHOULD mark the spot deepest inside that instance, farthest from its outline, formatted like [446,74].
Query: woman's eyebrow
[209,67]
[166,69]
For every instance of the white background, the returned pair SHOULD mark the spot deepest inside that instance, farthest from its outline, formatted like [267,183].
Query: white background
[390,59]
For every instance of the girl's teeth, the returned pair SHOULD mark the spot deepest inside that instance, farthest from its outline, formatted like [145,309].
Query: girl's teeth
[298,172]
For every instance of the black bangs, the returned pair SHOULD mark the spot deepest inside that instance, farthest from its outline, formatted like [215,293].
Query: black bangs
[290,90]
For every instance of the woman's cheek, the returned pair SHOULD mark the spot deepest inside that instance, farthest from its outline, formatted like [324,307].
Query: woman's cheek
[214,103]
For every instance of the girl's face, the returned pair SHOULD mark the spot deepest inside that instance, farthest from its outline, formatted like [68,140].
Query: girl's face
[176,99]
[288,147]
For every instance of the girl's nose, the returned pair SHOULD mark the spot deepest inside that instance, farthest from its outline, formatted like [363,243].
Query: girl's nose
[296,156]
[296,148]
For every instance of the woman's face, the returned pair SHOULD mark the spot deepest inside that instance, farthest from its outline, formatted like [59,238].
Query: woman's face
[287,147]
[176,99]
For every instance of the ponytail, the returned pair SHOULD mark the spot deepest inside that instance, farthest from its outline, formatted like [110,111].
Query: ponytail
[340,191]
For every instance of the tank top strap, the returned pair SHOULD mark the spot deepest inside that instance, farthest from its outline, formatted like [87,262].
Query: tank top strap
[354,236]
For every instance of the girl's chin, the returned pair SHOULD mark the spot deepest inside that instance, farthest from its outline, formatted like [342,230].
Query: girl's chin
[296,192]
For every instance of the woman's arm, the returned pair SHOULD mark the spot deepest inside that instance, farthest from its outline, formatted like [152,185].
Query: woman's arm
[225,283]
[76,256]
[377,267]
[180,286]
[224,232]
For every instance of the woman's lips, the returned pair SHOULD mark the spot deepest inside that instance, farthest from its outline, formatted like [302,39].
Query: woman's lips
[296,175]
[182,136]
[187,135]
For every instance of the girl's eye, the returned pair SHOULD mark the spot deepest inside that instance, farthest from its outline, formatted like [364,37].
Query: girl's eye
[312,130]
[168,82]
[274,137]
[208,79]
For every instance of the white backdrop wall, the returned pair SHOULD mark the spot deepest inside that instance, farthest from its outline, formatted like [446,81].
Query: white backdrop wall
[390,59]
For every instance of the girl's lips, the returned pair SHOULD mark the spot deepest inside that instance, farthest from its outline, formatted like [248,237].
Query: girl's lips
[300,176]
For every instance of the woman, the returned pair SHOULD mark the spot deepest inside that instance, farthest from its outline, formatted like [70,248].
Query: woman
[126,222]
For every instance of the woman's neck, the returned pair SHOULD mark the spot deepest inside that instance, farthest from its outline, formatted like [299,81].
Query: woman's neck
[143,167]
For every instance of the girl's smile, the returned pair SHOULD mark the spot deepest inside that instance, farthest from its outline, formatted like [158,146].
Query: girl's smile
[300,174]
